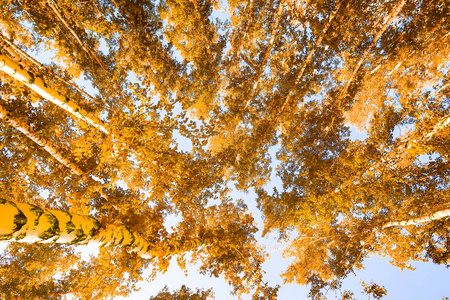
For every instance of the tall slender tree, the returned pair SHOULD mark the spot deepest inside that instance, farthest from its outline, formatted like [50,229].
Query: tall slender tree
[17,71]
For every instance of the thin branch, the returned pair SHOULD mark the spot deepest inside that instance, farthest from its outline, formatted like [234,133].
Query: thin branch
[205,35]
[99,11]
[51,3]
[420,220]
[310,54]
[267,52]
[391,18]
[120,12]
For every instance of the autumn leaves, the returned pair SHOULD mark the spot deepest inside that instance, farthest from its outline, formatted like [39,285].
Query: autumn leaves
[288,76]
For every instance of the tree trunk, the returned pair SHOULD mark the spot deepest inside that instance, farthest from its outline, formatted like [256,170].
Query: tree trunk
[48,145]
[16,71]
[27,223]
[417,221]
[12,48]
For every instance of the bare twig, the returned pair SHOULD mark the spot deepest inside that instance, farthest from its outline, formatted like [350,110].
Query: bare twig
[89,51]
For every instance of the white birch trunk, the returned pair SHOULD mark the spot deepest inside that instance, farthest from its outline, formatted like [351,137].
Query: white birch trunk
[27,223]
[15,49]
[51,149]
[35,83]
[48,146]
[441,124]
[417,221]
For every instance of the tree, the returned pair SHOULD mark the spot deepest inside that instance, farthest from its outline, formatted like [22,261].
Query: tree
[185,178]
[39,86]
[340,221]
[182,293]
[28,223]
[26,272]
[341,215]
[190,98]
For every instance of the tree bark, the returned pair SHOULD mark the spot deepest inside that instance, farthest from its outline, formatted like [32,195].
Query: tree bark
[35,83]
[417,221]
[48,145]
[27,223]
[14,48]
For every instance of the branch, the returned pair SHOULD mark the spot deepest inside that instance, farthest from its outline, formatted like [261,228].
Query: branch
[46,144]
[391,18]
[311,53]
[202,25]
[52,149]
[262,65]
[406,143]
[51,3]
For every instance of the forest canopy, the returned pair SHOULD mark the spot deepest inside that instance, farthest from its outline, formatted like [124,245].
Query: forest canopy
[117,115]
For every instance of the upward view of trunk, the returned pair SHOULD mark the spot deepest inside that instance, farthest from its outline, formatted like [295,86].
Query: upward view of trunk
[421,220]
[35,83]
[27,223]
[46,144]
[15,49]
[52,149]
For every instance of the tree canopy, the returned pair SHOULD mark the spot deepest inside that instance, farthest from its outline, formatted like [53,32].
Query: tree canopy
[187,101]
